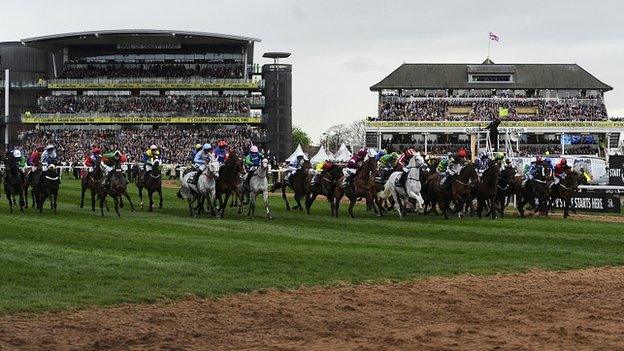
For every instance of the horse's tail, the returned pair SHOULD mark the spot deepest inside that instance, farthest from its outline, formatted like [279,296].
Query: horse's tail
[387,191]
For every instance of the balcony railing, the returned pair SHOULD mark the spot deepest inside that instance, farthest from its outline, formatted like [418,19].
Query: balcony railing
[142,118]
[156,83]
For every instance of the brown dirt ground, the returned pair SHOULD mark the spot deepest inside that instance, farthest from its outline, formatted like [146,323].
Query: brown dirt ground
[538,310]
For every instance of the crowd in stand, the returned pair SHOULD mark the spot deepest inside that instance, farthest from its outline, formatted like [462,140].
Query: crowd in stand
[486,109]
[175,143]
[218,70]
[197,105]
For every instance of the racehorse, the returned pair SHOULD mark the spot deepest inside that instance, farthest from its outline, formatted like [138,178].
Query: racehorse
[359,187]
[537,189]
[258,184]
[458,192]
[153,184]
[508,185]
[48,188]
[117,187]
[411,189]
[228,180]
[91,181]
[297,182]
[487,188]
[205,189]
[13,184]
[325,185]
[564,190]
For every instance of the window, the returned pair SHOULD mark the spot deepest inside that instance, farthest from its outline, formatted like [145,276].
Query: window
[489,78]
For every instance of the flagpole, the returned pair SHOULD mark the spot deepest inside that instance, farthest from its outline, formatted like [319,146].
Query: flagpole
[489,44]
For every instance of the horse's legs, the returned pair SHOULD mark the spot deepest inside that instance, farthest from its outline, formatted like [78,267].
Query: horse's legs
[140,196]
[397,205]
[116,200]
[566,211]
[190,205]
[351,205]
[102,202]
[310,201]
[252,205]
[92,200]
[83,189]
[298,200]
[265,197]
[129,200]
[55,200]
[224,204]
[160,198]
[480,204]
[150,194]
[284,197]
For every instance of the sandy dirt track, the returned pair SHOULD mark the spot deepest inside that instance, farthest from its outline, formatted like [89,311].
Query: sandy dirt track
[538,310]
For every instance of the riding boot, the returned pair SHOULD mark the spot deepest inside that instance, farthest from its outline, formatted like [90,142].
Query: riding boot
[403,179]
[196,177]
[248,179]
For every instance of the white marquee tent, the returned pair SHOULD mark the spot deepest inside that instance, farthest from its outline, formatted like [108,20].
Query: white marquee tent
[321,156]
[343,154]
[298,151]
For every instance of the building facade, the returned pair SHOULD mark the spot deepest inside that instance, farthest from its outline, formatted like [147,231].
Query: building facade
[439,108]
[142,79]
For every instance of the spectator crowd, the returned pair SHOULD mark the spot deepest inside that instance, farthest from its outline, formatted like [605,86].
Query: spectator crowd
[196,105]
[486,109]
[175,143]
[212,70]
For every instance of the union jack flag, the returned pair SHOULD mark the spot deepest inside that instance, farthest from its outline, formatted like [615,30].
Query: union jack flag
[494,37]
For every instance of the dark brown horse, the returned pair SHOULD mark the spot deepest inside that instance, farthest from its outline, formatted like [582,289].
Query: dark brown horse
[359,187]
[536,191]
[14,184]
[486,190]
[48,188]
[228,183]
[508,186]
[297,182]
[564,190]
[115,188]
[91,181]
[152,183]
[458,192]
[325,185]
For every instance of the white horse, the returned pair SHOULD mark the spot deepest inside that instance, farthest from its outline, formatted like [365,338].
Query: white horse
[412,185]
[205,188]
[258,184]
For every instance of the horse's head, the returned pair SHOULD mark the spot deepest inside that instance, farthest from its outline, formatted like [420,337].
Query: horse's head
[469,173]
[156,166]
[213,168]
[265,163]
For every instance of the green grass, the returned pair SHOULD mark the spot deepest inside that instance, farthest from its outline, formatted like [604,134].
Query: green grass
[77,258]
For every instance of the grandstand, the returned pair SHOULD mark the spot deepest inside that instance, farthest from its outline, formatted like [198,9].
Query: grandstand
[439,108]
[194,86]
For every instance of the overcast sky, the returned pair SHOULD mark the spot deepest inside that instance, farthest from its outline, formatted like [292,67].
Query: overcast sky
[341,48]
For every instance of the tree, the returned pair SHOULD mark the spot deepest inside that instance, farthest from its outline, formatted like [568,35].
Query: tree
[300,137]
[353,135]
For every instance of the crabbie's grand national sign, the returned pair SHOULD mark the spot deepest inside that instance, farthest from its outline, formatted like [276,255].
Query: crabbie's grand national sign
[77,119]
[510,124]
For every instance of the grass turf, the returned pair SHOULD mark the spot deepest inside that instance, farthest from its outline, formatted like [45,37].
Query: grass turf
[78,259]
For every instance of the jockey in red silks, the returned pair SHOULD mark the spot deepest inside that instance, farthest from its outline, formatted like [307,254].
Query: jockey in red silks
[560,169]
[353,165]
[402,161]
[91,160]
[34,161]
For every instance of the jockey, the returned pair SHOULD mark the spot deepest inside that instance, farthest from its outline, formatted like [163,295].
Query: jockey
[586,177]
[483,162]
[201,159]
[221,153]
[559,171]
[352,166]
[197,148]
[19,159]
[48,157]
[532,169]
[252,162]
[548,161]
[91,160]
[110,161]
[381,153]
[387,162]
[319,169]
[293,167]
[34,161]
[151,155]
[454,166]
